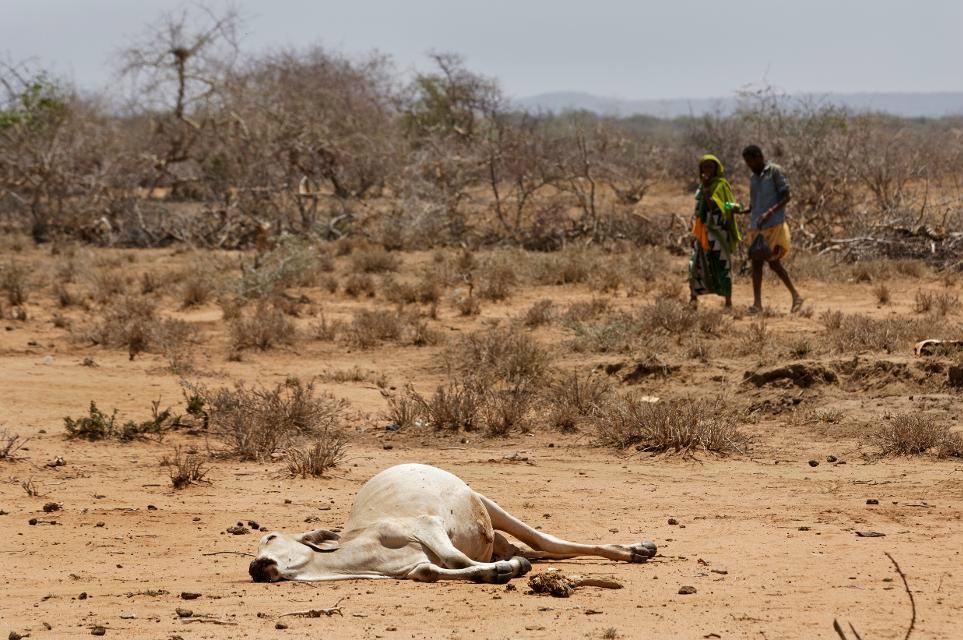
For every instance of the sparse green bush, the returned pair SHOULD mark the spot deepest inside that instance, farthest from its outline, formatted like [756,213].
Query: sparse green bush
[14,282]
[10,443]
[97,425]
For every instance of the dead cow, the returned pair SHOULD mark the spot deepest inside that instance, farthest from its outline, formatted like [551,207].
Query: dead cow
[418,522]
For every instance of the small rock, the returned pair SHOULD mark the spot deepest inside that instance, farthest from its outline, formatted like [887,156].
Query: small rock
[388,447]
[280,625]
[151,507]
[32,521]
[189,595]
[98,631]
[831,458]
[128,616]
[183,613]
[721,572]
[82,596]
[870,534]
[686,590]
[872,501]
[253,524]
[814,463]
[287,501]
[803,528]
[50,507]
[673,521]
[196,519]
[100,524]
[88,362]
[394,426]
[238,530]
[15,636]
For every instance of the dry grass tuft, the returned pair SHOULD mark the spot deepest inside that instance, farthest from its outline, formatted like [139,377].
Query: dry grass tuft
[853,333]
[185,468]
[263,329]
[882,293]
[913,434]
[679,426]
[257,422]
[374,260]
[315,461]
[573,399]
[539,314]
[506,353]
[10,443]
[14,282]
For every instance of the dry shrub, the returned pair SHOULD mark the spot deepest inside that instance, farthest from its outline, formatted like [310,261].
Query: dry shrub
[923,302]
[569,266]
[454,406]
[65,298]
[370,328]
[107,285]
[358,284]
[405,409]
[324,329]
[14,283]
[679,426]
[132,322]
[197,289]
[852,333]
[505,353]
[425,290]
[608,277]
[586,311]
[185,468]
[10,443]
[292,263]
[667,315]
[496,279]
[909,434]
[539,314]
[882,293]
[573,398]
[467,304]
[257,422]
[263,329]
[374,260]
[504,410]
[314,461]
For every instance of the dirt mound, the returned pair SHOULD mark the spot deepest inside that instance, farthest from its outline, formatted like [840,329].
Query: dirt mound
[635,372]
[800,374]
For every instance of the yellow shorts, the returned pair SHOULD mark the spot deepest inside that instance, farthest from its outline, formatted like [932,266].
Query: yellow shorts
[777,238]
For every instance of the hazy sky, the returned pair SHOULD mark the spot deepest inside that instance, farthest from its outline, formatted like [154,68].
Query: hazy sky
[622,48]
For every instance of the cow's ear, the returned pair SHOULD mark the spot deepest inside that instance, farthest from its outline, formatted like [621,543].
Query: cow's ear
[324,547]
[320,540]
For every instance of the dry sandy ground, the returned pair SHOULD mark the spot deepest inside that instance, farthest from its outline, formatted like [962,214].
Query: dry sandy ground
[768,541]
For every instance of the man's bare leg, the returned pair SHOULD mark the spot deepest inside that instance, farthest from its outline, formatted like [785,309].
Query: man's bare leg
[780,271]
[757,266]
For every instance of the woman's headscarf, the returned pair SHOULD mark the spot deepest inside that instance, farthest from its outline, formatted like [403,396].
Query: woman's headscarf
[720,192]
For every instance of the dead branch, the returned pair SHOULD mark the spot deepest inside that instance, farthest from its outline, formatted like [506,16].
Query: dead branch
[317,613]
[908,592]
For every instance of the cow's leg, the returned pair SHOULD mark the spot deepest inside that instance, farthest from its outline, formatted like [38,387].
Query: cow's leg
[546,546]
[490,572]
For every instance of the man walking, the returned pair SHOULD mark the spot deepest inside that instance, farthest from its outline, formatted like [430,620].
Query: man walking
[768,195]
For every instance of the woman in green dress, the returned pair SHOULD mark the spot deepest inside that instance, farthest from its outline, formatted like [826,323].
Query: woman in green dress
[716,234]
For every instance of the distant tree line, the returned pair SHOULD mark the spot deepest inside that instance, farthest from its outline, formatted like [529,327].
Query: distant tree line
[215,146]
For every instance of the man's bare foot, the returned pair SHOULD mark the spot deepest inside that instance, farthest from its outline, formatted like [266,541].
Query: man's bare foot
[754,310]
[797,304]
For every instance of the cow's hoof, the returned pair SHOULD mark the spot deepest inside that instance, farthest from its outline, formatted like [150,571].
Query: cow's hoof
[524,566]
[642,551]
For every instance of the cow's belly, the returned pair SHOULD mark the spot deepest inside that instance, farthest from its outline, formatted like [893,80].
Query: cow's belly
[410,491]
